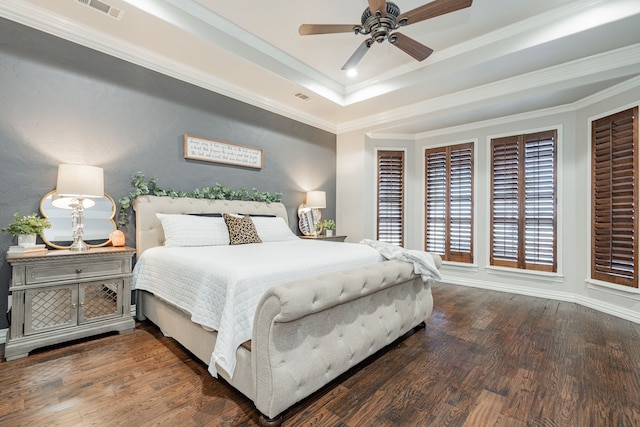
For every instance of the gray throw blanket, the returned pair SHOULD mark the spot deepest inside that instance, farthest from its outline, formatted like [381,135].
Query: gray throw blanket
[423,263]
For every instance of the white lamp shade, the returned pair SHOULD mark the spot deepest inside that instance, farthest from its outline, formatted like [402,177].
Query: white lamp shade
[316,199]
[80,181]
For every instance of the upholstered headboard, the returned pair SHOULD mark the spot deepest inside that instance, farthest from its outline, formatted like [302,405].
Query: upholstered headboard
[149,231]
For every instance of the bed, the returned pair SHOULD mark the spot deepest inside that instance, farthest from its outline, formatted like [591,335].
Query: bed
[304,329]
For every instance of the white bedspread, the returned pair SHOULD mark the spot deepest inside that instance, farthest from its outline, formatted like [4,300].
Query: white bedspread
[220,286]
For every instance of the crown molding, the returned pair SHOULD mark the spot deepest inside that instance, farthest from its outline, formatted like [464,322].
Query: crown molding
[618,89]
[391,136]
[586,69]
[39,19]
[524,34]
[192,17]
[596,67]
[529,115]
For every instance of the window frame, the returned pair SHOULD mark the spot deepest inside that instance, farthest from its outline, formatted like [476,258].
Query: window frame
[520,261]
[378,153]
[597,269]
[448,254]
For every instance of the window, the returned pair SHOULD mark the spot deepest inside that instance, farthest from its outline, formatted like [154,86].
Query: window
[449,202]
[391,197]
[614,198]
[523,201]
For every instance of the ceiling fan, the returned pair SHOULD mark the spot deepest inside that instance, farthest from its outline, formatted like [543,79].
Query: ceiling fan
[381,20]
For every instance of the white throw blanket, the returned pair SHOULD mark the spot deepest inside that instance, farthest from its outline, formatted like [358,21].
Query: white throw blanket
[423,263]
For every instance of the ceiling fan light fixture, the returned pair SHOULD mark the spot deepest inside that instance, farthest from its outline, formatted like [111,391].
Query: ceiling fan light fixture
[381,19]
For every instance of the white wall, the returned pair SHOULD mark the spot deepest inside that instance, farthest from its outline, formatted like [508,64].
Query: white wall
[352,193]
[356,192]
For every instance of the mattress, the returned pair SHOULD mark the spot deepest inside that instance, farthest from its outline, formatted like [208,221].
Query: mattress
[220,286]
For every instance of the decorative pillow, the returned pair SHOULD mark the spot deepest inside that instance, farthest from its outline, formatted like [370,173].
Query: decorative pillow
[189,230]
[273,229]
[241,230]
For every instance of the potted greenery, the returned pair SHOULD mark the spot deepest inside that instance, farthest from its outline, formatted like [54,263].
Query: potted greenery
[330,226]
[27,228]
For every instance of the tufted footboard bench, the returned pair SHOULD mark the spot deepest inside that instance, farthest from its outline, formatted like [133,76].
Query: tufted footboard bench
[308,332]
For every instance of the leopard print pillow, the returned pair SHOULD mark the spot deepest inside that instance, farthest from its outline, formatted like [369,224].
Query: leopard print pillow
[241,230]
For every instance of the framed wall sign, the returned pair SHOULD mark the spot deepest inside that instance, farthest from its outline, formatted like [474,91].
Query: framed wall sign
[211,150]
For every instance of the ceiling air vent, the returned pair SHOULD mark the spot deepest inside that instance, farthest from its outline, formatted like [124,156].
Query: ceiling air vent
[303,96]
[103,7]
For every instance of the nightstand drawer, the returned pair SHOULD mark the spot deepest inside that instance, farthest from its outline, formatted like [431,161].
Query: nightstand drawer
[77,270]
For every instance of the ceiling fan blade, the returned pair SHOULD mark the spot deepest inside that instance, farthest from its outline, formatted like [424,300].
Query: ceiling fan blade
[378,6]
[408,45]
[357,55]
[310,29]
[431,10]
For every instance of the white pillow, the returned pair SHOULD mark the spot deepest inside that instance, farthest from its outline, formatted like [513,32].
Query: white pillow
[192,230]
[272,229]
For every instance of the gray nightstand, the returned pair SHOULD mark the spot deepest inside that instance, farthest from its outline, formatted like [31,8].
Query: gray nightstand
[325,238]
[61,295]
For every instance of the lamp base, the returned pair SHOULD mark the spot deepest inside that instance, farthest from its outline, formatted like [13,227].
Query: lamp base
[77,223]
[78,245]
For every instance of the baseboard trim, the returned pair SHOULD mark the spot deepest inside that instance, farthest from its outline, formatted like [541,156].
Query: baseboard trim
[598,305]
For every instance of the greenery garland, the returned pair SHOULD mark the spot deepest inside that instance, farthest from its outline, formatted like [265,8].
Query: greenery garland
[145,187]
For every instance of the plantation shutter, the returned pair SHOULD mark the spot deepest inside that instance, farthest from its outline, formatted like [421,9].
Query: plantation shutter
[540,200]
[505,201]
[523,201]
[436,199]
[391,197]
[449,202]
[614,201]
[461,203]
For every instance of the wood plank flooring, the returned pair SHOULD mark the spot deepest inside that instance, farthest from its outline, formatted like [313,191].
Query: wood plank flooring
[485,359]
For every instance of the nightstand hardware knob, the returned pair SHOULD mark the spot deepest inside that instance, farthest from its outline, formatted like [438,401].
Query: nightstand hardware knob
[78,270]
[82,304]
[73,305]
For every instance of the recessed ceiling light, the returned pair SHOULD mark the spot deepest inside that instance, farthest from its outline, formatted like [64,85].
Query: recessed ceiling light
[352,72]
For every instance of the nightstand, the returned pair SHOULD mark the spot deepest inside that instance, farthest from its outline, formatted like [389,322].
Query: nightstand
[325,238]
[60,295]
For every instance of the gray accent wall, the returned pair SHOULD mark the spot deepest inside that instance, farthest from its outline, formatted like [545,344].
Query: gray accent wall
[64,103]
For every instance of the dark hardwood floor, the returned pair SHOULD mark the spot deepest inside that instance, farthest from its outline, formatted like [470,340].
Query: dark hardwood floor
[485,359]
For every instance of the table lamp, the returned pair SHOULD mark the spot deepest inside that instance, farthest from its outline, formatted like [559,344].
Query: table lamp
[316,200]
[76,184]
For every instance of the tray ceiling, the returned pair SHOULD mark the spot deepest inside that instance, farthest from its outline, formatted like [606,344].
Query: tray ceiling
[493,59]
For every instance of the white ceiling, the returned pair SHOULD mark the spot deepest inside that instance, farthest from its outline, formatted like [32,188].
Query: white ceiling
[496,58]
